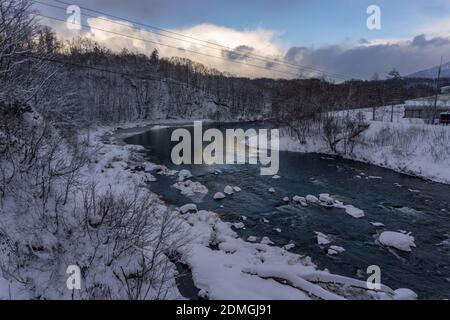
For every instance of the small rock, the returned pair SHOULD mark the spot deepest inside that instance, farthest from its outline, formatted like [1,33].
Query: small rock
[266,240]
[228,190]
[219,196]
[188,208]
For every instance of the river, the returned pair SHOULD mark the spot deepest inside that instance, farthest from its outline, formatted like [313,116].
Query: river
[399,201]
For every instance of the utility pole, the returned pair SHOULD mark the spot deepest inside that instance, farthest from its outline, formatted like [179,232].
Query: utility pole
[437,93]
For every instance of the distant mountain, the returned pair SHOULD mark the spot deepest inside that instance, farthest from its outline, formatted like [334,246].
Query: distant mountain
[432,73]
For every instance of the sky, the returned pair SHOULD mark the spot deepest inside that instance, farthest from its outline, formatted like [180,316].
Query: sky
[303,37]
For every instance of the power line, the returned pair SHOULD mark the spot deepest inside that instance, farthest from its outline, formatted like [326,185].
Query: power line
[253,55]
[204,41]
[132,76]
[172,46]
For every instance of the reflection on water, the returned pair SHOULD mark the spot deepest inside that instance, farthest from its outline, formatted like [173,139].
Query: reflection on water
[398,201]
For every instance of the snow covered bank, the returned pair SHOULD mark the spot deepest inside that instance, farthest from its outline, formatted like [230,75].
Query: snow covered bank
[408,147]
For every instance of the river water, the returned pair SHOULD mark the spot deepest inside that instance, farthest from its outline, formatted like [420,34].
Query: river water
[399,201]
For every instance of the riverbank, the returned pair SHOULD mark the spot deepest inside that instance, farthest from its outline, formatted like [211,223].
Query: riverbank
[406,146]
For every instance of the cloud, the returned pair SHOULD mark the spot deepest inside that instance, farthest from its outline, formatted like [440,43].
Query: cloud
[239,53]
[363,61]
[422,42]
[223,48]
[360,60]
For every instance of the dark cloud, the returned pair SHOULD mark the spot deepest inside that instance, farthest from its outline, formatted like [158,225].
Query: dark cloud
[239,53]
[422,42]
[363,41]
[363,61]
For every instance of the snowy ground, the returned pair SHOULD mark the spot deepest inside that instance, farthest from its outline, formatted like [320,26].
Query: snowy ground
[405,145]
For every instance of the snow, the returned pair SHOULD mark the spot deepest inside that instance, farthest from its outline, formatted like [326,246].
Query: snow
[325,197]
[228,190]
[190,188]
[400,241]
[322,239]
[184,174]
[377,224]
[224,266]
[404,294]
[271,190]
[353,211]
[298,199]
[188,208]
[266,240]
[219,196]
[237,189]
[406,145]
[334,250]
[289,246]
[277,230]
[276,177]
[242,270]
[238,225]
[286,199]
[312,199]
[326,200]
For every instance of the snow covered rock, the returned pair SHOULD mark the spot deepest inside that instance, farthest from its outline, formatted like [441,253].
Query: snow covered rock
[266,240]
[228,190]
[184,174]
[404,294]
[271,190]
[289,246]
[190,189]
[286,199]
[377,224]
[322,239]
[252,239]
[277,230]
[188,208]
[276,177]
[312,199]
[300,200]
[238,225]
[325,197]
[353,211]
[219,196]
[333,250]
[237,189]
[400,241]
